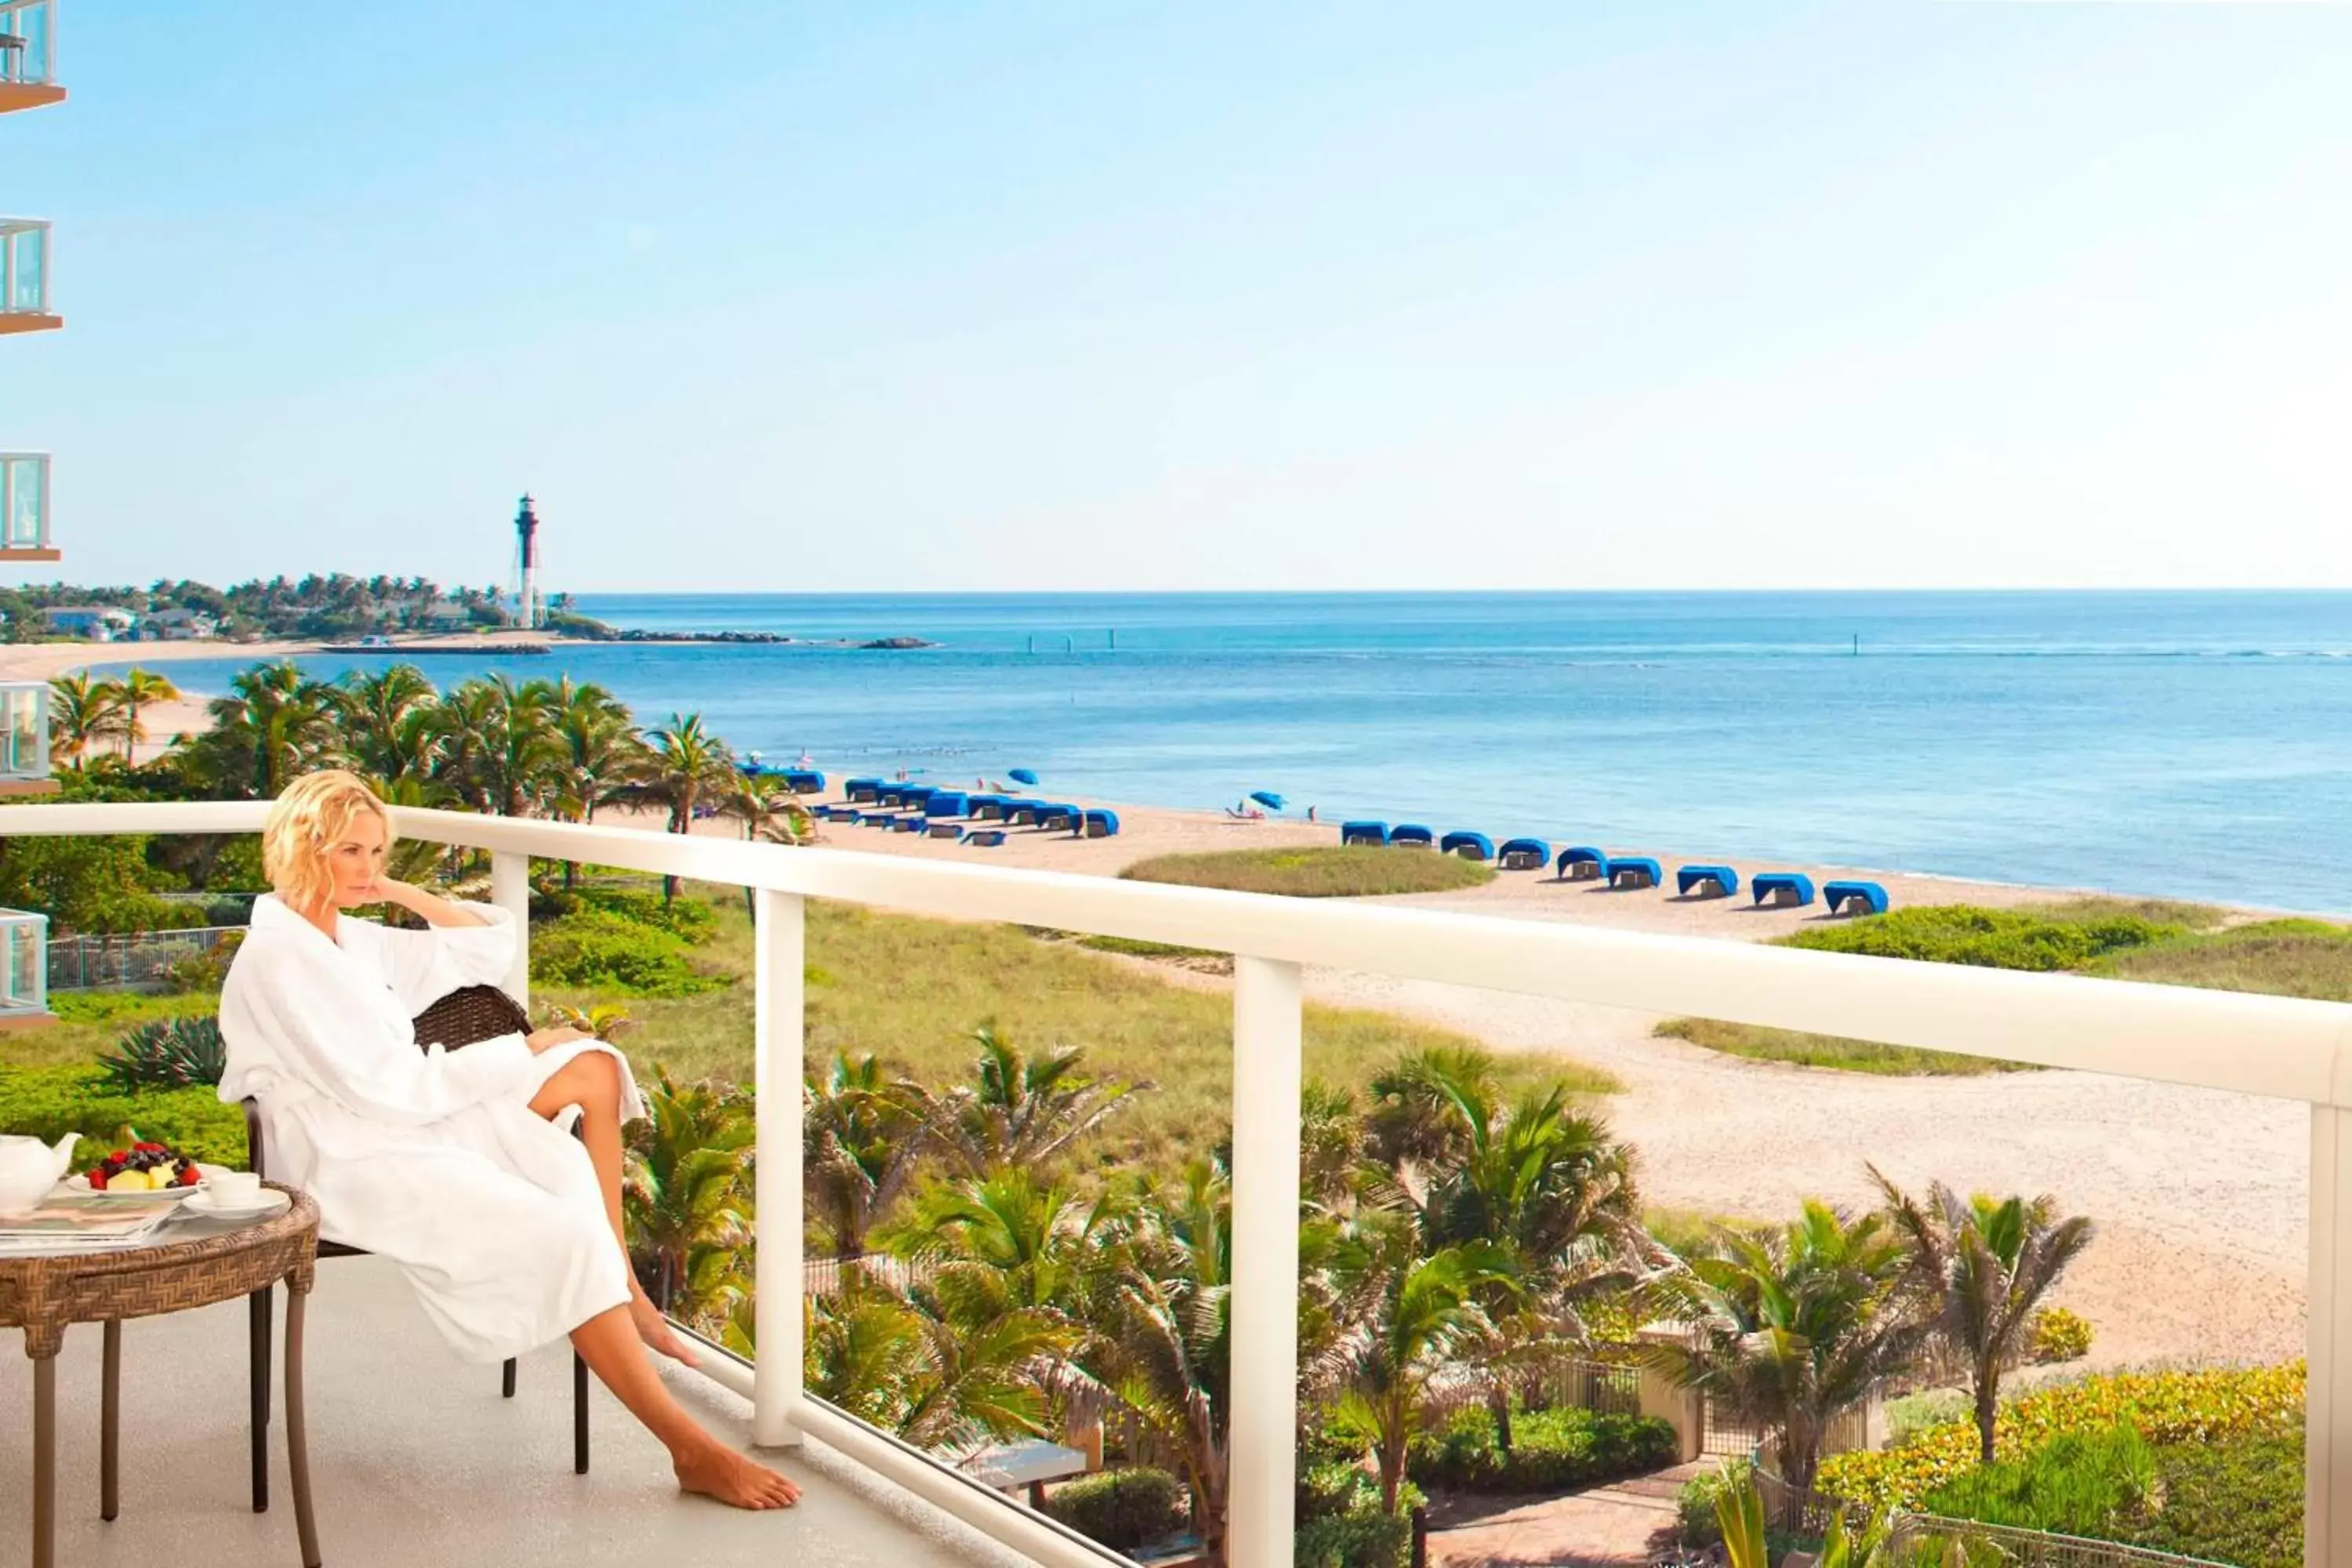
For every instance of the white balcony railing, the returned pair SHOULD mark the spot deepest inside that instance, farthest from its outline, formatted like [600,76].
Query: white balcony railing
[24,501]
[2282,1048]
[28,42]
[24,266]
[24,730]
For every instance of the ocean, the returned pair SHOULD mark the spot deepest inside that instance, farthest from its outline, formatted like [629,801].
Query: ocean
[2187,744]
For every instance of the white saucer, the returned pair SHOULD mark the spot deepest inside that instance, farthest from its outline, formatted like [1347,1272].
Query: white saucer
[204,1205]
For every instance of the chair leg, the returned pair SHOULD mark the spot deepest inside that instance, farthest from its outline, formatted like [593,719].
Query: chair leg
[257,1350]
[507,1379]
[579,1414]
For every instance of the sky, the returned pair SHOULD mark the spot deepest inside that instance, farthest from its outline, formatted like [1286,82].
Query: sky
[890,297]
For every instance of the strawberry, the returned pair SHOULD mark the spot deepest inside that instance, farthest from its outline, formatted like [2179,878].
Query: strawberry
[148,1148]
[188,1177]
[98,1180]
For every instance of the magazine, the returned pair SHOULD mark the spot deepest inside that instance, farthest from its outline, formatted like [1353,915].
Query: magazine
[79,1220]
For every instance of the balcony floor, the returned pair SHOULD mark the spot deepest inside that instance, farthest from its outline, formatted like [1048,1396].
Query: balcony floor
[415,1459]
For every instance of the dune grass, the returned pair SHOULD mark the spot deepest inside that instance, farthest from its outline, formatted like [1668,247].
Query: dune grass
[907,989]
[1324,871]
[2150,940]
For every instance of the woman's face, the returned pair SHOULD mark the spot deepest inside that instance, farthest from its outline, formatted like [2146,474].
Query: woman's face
[355,861]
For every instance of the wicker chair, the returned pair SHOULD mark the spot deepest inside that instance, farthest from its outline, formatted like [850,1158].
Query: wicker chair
[462,1017]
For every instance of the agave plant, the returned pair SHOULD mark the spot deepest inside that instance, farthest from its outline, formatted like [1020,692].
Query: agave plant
[168,1053]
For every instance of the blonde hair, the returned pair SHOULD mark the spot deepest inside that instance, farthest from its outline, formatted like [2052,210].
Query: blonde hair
[304,822]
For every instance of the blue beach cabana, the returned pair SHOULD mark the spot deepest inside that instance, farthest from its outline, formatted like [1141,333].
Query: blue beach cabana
[1581,863]
[1469,846]
[1524,855]
[1412,835]
[945,803]
[1021,812]
[1374,833]
[1099,825]
[862,792]
[1782,889]
[1632,871]
[1854,897]
[1707,881]
[803,780]
[985,807]
[1057,816]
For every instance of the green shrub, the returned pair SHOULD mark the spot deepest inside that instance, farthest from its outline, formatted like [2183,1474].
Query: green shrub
[2164,1407]
[1695,1504]
[1364,1538]
[49,1103]
[1914,1414]
[1988,939]
[2056,1334]
[1550,1450]
[2236,1501]
[691,920]
[168,1053]
[1120,1509]
[599,950]
[1325,871]
[2087,1485]
[204,970]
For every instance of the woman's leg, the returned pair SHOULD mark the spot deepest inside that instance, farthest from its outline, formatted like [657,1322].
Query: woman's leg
[608,1343]
[592,1080]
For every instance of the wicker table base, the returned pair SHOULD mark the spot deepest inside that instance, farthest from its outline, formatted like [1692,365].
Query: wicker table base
[196,1264]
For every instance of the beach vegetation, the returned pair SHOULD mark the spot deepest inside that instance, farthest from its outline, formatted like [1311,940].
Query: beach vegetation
[1317,871]
[2086,1484]
[2058,1334]
[48,1102]
[2029,939]
[1551,1450]
[1800,1049]
[1120,1509]
[168,1053]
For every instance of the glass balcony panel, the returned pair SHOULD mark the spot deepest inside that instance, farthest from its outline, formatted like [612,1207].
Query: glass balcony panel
[23,732]
[32,23]
[25,268]
[24,501]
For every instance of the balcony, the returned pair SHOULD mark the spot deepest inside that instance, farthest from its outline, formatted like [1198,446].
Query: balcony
[25,277]
[23,968]
[439,1472]
[29,55]
[25,738]
[25,508]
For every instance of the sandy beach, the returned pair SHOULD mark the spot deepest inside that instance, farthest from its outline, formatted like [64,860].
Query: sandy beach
[2201,1197]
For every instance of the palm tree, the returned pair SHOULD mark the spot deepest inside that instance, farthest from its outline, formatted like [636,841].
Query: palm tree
[1415,1310]
[687,766]
[81,713]
[134,689]
[596,746]
[861,1143]
[686,1201]
[1793,1328]
[271,726]
[508,742]
[1982,1267]
[387,721]
[936,1384]
[1020,1109]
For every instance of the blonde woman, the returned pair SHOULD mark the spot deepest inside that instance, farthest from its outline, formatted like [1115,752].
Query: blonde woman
[508,1227]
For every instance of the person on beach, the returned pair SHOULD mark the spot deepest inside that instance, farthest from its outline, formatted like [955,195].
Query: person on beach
[448,1162]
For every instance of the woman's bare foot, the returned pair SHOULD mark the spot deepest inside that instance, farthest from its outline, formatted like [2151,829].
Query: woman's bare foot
[656,1331]
[718,1471]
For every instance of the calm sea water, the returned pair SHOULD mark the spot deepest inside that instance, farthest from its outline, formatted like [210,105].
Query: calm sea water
[2198,744]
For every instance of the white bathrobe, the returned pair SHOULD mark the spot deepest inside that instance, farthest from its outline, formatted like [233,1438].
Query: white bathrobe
[432,1158]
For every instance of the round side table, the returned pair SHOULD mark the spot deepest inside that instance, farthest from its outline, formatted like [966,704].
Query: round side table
[192,1262]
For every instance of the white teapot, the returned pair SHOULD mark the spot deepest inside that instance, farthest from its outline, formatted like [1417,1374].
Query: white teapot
[29,1168]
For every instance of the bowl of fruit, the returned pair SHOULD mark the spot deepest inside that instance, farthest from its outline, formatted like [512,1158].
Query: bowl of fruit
[142,1169]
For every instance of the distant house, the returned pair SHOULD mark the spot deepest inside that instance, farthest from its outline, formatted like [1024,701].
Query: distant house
[178,624]
[98,623]
[447,615]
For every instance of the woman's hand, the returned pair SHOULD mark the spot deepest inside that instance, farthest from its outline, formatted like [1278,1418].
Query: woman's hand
[548,1039]
[388,890]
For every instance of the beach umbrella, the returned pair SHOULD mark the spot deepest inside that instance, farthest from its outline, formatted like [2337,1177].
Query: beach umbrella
[1022,775]
[1268,799]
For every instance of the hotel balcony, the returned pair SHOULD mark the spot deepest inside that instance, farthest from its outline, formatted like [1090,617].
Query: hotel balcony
[415,1458]
[28,54]
[25,277]
[25,738]
[25,508]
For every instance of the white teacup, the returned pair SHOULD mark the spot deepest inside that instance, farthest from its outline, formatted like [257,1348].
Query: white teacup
[234,1189]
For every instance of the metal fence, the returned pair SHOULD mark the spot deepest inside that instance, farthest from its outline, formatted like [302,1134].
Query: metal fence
[828,1276]
[1917,1542]
[132,959]
[1610,1388]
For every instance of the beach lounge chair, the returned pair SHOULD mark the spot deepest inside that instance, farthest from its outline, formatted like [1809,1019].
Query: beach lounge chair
[984,837]
[863,791]
[1364,833]
[1099,825]
[1469,846]
[1632,871]
[874,818]
[803,780]
[1058,816]
[1412,835]
[946,803]
[1854,897]
[1782,889]
[1707,881]
[985,807]
[1523,855]
[941,829]
[1581,863]
[911,822]
[1023,812]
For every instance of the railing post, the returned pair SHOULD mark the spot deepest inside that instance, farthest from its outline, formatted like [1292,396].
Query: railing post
[778,940]
[2328,1407]
[1263,1427]
[511,891]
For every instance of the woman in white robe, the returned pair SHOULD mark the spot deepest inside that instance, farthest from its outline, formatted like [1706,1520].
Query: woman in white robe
[448,1162]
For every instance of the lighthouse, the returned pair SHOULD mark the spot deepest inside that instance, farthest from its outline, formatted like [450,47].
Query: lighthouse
[527,565]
